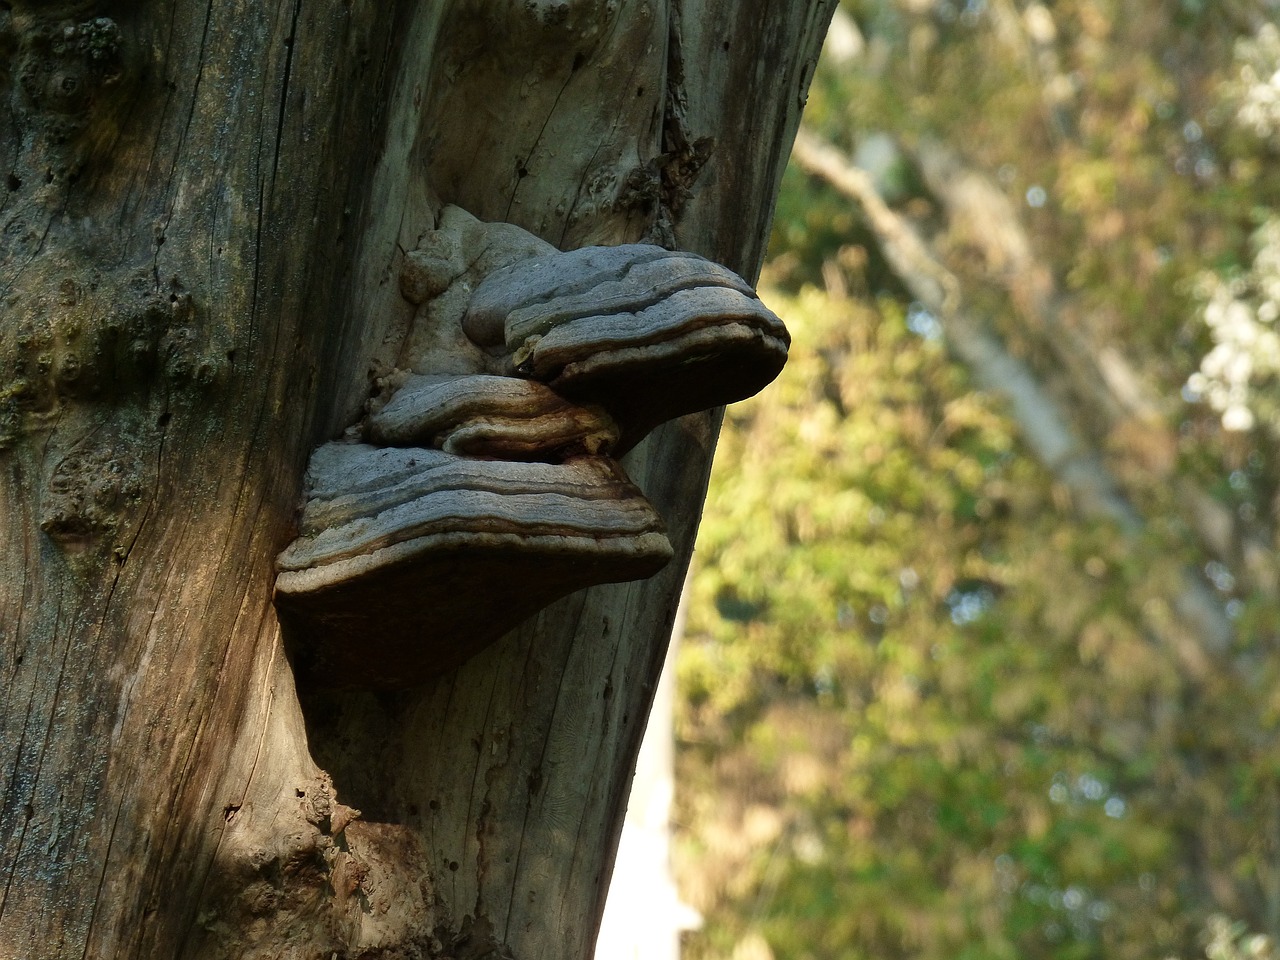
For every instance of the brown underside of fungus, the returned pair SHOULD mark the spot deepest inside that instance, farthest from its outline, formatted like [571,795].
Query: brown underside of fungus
[411,560]
[484,493]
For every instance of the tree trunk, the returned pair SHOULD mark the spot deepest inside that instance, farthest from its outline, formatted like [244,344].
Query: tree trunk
[206,212]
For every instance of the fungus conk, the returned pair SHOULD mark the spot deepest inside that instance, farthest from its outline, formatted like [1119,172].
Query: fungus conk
[487,484]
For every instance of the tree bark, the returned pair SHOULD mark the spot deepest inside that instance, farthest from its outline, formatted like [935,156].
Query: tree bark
[204,218]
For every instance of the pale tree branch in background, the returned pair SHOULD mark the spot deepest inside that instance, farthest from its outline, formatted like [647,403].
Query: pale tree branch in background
[1045,429]
[1131,415]
[1043,423]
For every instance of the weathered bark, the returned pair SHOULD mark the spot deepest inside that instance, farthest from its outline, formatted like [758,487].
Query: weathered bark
[206,211]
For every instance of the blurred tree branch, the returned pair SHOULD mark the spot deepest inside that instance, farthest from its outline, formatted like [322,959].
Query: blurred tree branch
[1047,427]
[1098,373]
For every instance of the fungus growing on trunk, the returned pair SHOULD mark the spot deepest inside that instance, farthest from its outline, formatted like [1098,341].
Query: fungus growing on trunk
[647,333]
[410,561]
[501,418]
[487,488]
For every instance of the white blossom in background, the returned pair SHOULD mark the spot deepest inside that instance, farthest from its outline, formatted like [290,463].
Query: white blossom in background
[1241,314]
[1241,311]
[1257,88]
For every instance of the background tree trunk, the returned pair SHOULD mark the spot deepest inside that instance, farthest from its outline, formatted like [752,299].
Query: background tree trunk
[204,214]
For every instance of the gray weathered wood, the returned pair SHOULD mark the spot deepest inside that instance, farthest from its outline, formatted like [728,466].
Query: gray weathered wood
[206,213]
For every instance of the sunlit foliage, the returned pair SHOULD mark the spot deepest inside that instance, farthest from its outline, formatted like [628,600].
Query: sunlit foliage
[930,711]
[1238,376]
[926,689]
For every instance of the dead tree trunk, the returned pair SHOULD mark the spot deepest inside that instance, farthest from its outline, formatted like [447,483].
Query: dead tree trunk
[205,216]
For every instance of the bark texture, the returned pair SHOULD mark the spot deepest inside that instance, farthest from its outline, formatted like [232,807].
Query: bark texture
[205,212]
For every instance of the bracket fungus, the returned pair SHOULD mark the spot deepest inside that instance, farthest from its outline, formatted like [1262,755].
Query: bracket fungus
[647,333]
[411,560]
[489,416]
[477,498]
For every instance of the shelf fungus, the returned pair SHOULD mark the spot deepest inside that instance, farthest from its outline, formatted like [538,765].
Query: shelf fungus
[412,560]
[476,498]
[647,333]
[489,416]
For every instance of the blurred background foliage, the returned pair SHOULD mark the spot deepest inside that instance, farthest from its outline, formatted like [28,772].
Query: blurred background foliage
[954,689]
